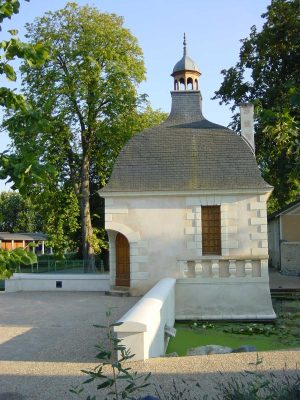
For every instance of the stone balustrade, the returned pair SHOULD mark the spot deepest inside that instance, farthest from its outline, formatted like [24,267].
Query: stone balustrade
[224,267]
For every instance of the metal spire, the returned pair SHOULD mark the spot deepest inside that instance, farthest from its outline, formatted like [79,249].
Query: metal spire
[184,45]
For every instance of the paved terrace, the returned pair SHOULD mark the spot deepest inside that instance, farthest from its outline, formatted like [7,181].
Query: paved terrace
[278,281]
[47,338]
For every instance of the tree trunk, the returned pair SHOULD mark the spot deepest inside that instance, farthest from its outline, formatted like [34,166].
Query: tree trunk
[85,216]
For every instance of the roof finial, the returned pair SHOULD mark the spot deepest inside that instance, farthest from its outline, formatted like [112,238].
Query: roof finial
[184,45]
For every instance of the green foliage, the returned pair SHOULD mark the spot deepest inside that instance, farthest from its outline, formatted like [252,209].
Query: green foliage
[59,211]
[9,50]
[25,171]
[266,329]
[8,8]
[256,329]
[83,107]
[117,380]
[271,58]
[17,214]
[10,261]
[203,325]
[20,171]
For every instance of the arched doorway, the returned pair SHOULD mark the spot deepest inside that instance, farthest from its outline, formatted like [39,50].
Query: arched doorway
[122,261]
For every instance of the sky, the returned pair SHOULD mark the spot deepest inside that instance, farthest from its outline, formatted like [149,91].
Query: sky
[213,29]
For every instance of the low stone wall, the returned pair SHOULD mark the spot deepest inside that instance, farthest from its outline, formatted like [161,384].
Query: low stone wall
[143,327]
[57,282]
[223,299]
[224,289]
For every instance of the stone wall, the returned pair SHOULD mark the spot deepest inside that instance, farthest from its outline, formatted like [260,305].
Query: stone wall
[143,328]
[163,230]
[66,282]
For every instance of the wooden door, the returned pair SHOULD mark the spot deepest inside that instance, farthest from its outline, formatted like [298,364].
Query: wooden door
[122,261]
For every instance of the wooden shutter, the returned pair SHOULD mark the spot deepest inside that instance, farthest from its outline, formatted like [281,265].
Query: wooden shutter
[211,230]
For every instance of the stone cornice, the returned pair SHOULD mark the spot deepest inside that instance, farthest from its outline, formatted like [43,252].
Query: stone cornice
[215,192]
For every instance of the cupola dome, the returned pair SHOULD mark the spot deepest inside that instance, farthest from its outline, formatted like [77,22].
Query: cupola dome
[185,72]
[186,63]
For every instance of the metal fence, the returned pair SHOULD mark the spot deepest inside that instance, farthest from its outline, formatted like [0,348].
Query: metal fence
[62,267]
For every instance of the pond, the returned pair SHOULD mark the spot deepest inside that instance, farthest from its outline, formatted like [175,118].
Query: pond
[280,334]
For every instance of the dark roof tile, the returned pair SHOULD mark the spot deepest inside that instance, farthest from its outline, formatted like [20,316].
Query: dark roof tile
[185,153]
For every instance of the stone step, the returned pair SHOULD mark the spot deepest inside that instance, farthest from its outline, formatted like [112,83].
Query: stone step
[117,293]
[121,288]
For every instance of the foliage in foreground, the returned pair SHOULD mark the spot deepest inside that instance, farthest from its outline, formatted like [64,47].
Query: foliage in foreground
[19,171]
[249,385]
[10,260]
[33,54]
[121,382]
[256,385]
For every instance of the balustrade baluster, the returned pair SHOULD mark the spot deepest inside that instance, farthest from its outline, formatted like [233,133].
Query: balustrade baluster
[191,269]
[232,268]
[198,268]
[215,268]
[248,267]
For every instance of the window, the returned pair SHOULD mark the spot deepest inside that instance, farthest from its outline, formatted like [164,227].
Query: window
[182,84]
[190,84]
[211,230]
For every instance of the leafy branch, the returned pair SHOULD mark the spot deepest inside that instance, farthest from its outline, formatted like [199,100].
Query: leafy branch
[121,382]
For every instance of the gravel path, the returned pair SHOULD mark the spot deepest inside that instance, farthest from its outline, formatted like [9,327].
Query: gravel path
[46,339]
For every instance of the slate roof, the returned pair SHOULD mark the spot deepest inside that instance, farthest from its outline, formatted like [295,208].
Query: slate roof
[185,153]
[22,236]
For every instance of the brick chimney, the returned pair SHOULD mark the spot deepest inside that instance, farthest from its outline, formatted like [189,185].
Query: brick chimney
[247,124]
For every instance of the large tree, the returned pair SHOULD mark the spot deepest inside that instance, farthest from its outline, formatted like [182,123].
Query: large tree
[83,100]
[268,74]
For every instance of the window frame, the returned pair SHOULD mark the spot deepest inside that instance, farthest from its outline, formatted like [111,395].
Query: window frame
[211,230]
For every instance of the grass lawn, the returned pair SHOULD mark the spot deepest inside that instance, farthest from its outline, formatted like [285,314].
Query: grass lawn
[283,334]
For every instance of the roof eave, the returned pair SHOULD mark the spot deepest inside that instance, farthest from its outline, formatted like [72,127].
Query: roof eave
[120,193]
[284,210]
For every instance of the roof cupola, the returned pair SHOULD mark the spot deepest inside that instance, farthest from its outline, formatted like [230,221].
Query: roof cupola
[185,72]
